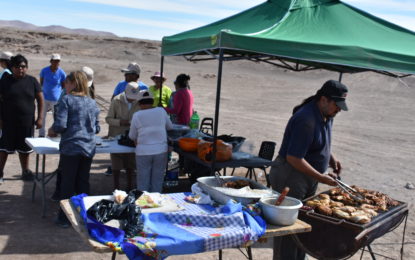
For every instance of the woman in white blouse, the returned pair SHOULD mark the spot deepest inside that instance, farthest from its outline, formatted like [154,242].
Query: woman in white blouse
[149,132]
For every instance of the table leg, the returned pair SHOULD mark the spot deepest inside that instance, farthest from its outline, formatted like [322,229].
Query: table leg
[36,178]
[220,254]
[43,187]
[371,252]
[249,251]
[403,235]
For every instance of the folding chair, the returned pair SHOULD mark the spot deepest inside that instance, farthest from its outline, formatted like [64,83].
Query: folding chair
[206,126]
[266,151]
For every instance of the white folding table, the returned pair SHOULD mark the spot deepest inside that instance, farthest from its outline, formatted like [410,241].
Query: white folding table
[44,146]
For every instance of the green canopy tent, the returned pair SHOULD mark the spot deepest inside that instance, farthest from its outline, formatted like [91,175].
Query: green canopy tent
[300,35]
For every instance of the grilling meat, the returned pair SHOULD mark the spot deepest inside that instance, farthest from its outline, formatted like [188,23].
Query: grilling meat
[338,203]
[325,210]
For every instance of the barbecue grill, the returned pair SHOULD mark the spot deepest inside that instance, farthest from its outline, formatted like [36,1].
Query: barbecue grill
[333,238]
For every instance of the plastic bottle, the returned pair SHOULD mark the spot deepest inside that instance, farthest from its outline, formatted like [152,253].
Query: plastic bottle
[194,121]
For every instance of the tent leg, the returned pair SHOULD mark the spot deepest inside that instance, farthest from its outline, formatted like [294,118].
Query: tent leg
[340,76]
[161,74]
[216,121]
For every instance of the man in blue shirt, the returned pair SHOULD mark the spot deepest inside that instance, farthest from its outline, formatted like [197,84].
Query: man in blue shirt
[131,74]
[51,80]
[305,153]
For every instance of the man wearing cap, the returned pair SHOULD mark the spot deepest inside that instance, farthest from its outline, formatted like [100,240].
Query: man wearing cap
[131,74]
[305,153]
[148,131]
[51,80]
[5,62]
[121,111]
[155,90]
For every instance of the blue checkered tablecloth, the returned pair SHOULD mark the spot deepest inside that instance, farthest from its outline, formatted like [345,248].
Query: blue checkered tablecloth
[218,230]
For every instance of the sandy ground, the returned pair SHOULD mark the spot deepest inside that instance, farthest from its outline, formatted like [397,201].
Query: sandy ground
[374,140]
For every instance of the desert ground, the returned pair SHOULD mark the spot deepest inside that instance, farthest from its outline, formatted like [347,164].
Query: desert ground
[374,140]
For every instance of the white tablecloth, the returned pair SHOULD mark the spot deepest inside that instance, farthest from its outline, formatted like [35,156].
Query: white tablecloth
[50,146]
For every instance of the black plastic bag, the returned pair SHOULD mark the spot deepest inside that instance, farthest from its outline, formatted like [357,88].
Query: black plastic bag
[106,210]
[125,140]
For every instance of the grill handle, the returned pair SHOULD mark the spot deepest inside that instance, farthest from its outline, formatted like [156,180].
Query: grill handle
[338,222]
[380,223]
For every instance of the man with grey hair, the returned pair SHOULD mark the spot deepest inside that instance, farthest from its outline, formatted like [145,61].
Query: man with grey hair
[51,80]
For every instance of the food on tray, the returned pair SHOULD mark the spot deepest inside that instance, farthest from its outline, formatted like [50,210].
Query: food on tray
[145,201]
[338,203]
[119,196]
[325,210]
[237,184]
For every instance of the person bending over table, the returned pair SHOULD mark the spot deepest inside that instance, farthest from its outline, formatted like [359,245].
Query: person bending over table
[305,153]
[76,119]
[148,131]
[121,111]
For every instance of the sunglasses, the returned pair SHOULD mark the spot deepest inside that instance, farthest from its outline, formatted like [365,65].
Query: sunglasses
[20,67]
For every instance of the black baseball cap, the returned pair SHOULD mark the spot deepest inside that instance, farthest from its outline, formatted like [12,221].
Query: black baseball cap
[336,91]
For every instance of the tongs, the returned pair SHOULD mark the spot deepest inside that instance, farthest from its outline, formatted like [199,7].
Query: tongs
[220,181]
[354,194]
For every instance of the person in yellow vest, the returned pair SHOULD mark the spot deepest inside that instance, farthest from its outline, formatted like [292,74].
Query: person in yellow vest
[155,90]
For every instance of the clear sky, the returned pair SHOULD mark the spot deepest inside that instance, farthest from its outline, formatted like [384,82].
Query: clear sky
[153,19]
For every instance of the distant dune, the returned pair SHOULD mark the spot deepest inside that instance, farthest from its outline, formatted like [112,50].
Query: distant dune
[52,28]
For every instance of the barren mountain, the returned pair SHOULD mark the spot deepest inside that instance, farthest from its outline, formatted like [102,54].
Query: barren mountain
[52,28]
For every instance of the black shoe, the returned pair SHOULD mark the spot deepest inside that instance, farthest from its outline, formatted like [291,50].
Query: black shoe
[27,175]
[55,196]
[62,223]
[109,171]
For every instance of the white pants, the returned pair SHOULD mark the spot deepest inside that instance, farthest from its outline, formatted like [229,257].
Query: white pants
[46,106]
[150,172]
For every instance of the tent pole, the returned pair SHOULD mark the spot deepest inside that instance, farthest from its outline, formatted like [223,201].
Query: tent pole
[340,76]
[216,122]
[161,75]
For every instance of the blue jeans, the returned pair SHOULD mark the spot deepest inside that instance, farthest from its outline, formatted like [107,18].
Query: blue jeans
[150,171]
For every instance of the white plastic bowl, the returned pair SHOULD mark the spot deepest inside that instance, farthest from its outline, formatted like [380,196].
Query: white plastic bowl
[284,215]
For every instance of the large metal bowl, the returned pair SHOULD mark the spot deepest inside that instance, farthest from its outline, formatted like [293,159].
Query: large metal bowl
[222,195]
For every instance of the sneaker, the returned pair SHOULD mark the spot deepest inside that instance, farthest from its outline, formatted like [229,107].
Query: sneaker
[27,175]
[55,196]
[109,171]
[62,223]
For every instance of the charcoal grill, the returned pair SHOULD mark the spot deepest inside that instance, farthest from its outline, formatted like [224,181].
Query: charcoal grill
[333,238]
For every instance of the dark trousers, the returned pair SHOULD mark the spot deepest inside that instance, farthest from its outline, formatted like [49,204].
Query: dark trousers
[74,176]
[301,186]
[58,176]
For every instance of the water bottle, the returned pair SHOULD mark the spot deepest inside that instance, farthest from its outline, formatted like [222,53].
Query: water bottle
[194,121]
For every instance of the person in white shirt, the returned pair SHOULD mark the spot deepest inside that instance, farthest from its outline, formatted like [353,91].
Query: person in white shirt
[149,132]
